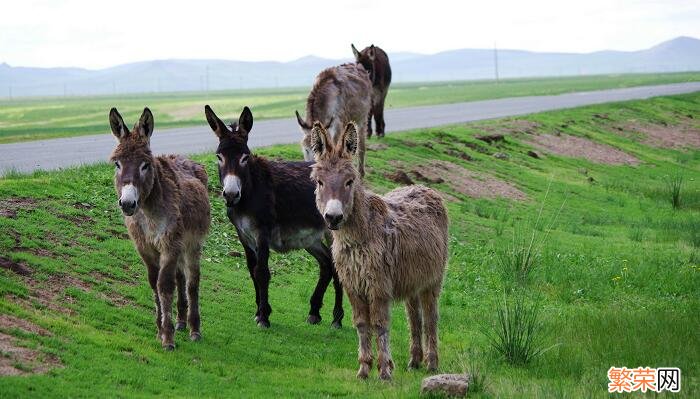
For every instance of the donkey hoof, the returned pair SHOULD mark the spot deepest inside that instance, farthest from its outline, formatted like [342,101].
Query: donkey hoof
[265,324]
[181,325]
[256,318]
[337,324]
[195,336]
[385,375]
[363,372]
[414,364]
[168,347]
[313,319]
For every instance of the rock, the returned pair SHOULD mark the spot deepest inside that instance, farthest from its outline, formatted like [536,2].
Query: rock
[446,384]
[501,155]
[533,154]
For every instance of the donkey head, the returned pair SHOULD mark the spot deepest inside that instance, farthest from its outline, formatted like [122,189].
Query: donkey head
[233,153]
[334,173]
[134,175]
[366,57]
[306,128]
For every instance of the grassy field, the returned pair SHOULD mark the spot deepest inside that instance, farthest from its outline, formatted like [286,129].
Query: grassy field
[614,276]
[41,118]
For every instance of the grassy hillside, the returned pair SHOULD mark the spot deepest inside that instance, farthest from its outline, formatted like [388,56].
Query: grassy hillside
[615,273]
[41,118]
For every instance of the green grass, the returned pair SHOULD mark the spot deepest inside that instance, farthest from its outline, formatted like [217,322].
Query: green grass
[42,118]
[617,279]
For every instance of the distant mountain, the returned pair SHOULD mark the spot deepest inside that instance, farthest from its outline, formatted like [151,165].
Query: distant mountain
[679,54]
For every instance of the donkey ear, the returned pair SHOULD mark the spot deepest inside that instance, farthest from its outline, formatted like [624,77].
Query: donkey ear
[145,124]
[302,122]
[116,122]
[320,142]
[215,123]
[348,144]
[355,52]
[245,121]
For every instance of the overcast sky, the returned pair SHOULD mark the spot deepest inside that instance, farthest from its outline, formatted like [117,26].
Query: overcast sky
[97,34]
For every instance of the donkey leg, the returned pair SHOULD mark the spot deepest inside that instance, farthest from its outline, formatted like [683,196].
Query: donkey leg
[324,278]
[369,124]
[338,312]
[151,258]
[378,112]
[380,318]
[429,302]
[361,149]
[361,320]
[181,301]
[166,291]
[415,321]
[262,277]
[192,269]
[251,261]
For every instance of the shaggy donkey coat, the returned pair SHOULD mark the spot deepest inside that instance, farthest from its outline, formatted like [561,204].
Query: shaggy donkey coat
[376,62]
[166,211]
[340,95]
[271,204]
[385,248]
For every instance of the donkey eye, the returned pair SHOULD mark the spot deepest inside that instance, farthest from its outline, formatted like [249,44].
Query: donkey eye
[220,158]
[244,159]
[348,183]
[116,164]
[320,183]
[145,166]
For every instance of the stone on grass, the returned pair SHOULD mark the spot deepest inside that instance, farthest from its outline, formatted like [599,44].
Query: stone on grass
[446,384]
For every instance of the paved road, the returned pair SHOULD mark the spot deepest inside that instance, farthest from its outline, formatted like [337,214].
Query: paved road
[58,153]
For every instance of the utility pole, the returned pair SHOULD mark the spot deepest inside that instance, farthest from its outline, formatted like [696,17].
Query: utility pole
[495,60]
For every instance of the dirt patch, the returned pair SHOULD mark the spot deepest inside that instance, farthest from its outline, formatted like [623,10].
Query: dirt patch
[683,135]
[77,220]
[512,126]
[377,147]
[9,206]
[83,205]
[8,322]
[464,181]
[18,268]
[399,176]
[18,360]
[579,147]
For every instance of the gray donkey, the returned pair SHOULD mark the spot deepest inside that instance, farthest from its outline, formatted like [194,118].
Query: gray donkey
[166,211]
[340,95]
[385,248]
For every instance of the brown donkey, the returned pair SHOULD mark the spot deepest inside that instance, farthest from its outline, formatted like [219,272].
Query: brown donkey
[340,95]
[376,62]
[385,248]
[166,211]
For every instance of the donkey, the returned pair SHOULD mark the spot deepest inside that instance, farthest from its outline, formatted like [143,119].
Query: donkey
[271,204]
[376,62]
[385,248]
[340,95]
[166,211]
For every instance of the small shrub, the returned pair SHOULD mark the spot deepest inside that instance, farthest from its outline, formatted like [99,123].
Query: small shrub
[674,184]
[517,332]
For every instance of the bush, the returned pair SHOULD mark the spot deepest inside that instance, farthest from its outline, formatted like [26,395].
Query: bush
[674,184]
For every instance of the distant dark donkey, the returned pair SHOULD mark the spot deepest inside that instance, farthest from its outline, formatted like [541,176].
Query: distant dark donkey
[376,62]
[272,205]
[166,211]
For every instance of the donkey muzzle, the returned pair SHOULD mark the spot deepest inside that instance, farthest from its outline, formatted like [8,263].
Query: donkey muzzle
[129,199]
[232,190]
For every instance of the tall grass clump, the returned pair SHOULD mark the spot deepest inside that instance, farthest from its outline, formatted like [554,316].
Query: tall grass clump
[518,331]
[517,258]
[674,184]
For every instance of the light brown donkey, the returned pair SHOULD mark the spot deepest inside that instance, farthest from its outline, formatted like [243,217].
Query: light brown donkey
[166,210]
[340,95]
[385,248]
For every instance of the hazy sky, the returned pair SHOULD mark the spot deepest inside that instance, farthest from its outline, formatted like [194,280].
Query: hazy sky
[96,34]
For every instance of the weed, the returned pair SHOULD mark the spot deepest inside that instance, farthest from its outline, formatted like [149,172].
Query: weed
[517,333]
[674,184]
